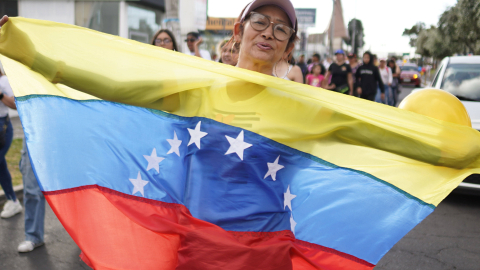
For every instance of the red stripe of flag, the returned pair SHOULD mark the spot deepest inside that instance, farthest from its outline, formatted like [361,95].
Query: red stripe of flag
[119,231]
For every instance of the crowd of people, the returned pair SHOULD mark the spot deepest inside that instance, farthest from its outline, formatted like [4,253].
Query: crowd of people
[371,78]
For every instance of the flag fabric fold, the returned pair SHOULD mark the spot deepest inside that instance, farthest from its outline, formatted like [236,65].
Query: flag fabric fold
[156,160]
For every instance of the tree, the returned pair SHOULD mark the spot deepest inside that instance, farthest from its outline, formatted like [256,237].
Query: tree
[430,43]
[413,33]
[461,25]
[357,26]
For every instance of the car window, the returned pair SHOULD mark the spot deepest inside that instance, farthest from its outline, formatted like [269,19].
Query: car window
[434,83]
[463,81]
[409,68]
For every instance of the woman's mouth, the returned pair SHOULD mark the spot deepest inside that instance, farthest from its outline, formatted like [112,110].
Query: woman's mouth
[264,46]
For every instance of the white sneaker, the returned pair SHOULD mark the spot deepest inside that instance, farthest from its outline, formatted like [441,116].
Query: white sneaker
[11,208]
[27,246]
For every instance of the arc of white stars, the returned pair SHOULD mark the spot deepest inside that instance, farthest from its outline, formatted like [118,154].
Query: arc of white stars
[153,160]
[196,135]
[287,198]
[138,184]
[174,144]
[273,168]
[237,145]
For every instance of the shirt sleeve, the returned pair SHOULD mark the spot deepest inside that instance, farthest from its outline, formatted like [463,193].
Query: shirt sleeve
[349,68]
[5,87]
[205,55]
[376,73]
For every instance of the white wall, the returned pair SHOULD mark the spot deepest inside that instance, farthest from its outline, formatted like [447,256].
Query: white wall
[62,11]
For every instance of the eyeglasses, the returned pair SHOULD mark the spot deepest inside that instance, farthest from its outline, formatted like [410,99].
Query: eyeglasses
[164,41]
[261,22]
[190,40]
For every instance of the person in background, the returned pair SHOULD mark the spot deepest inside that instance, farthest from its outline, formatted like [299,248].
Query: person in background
[341,74]
[34,203]
[301,64]
[396,80]
[315,78]
[288,70]
[386,75]
[368,79]
[165,39]
[327,62]
[354,64]
[193,42]
[12,206]
[375,60]
[316,61]
[229,53]
[214,57]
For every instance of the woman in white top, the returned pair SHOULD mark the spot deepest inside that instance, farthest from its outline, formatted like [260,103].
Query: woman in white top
[288,70]
[387,79]
[13,206]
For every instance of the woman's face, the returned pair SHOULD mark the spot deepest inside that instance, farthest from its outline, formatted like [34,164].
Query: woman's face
[366,58]
[262,47]
[229,55]
[340,57]
[163,40]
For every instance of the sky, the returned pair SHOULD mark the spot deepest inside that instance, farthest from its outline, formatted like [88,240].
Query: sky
[383,20]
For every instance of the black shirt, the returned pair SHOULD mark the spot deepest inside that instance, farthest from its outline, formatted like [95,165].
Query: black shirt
[339,73]
[368,78]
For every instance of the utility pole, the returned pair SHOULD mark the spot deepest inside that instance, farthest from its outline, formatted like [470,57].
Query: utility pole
[172,21]
[354,29]
[332,30]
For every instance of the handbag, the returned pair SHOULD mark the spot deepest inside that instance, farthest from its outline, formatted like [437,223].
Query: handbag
[342,88]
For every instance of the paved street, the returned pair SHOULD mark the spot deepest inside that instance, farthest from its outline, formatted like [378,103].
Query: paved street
[447,239]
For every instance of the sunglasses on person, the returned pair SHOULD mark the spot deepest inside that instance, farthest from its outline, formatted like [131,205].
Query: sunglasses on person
[163,41]
[190,40]
[261,22]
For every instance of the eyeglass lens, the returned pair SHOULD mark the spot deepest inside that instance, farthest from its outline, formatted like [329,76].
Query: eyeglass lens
[261,22]
[164,41]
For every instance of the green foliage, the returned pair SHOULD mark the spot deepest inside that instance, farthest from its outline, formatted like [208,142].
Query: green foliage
[357,26]
[458,32]
[414,32]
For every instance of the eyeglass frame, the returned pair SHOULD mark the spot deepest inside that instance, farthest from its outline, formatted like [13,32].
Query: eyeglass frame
[274,25]
[191,39]
[162,41]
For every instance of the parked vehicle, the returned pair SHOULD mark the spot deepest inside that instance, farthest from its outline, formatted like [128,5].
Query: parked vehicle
[460,76]
[410,75]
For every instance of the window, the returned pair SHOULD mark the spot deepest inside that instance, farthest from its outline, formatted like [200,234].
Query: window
[102,16]
[142,23]
[463,81]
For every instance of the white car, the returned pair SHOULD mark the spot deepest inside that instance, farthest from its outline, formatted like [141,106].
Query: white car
[460,76]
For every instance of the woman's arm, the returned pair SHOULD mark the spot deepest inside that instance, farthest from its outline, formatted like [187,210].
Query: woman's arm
[350,83]
[325,81]
[9,101]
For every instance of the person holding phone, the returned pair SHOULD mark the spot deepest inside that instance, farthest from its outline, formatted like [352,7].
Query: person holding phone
[193,42]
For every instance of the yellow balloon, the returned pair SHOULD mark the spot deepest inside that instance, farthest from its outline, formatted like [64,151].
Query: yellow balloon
[437,104]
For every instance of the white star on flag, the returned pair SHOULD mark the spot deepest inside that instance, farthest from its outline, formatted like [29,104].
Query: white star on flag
[292,223]
[237,145]
[138,184]
[273,168]
[196,135]
[175,144]
[153,160]
[288,197]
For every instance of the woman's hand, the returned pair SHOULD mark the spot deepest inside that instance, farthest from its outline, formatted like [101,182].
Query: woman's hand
[3,20]
[382,97]
[359,91]
[331,86]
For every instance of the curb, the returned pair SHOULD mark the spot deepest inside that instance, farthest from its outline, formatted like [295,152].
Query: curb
[18,192]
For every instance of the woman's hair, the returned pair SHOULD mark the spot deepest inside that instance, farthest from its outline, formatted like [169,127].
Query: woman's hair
[317,65]
[371,58]
[291,40]
[169,33]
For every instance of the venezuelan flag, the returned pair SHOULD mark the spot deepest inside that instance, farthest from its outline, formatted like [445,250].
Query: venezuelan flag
[152,159]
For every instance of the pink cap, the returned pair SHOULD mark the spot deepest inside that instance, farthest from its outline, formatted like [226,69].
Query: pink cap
[286,5]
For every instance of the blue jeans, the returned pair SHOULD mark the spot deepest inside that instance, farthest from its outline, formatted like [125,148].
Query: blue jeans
[6,139]
[388,96]
[33,200]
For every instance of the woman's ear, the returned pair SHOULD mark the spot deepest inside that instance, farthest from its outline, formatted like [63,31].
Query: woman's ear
[289,49]
[237,32]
